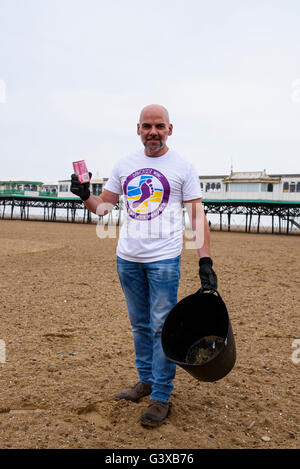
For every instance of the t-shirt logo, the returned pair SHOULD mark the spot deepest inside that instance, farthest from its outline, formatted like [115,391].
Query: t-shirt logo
[147,193]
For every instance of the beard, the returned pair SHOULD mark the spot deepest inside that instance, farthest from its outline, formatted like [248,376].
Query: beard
[157,147]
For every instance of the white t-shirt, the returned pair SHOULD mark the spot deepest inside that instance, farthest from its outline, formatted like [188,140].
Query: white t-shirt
[154,190]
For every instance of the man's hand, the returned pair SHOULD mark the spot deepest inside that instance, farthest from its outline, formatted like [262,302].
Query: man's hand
[82,189]
[207,276]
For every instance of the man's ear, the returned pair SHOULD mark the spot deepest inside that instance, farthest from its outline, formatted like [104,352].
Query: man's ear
[138,129]
[170,129]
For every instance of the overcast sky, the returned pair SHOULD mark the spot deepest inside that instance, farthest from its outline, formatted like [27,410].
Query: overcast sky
[74,75]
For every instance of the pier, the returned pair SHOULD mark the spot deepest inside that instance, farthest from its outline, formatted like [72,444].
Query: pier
[286,213]
[250,196]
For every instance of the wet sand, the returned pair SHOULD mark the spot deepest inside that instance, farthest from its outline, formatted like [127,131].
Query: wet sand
[69,349]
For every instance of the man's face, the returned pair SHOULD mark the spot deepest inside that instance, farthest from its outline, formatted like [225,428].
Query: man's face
[154,129]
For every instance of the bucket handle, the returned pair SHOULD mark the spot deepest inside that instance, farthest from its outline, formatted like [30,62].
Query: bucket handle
[210,292]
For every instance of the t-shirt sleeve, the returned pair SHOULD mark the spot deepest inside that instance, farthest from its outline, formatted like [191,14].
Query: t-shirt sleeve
[191,187]
[114,183]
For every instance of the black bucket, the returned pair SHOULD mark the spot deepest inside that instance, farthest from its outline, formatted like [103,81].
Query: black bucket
[195,317]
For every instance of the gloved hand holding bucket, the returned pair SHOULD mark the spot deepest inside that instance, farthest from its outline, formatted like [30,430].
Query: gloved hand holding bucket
[197,334]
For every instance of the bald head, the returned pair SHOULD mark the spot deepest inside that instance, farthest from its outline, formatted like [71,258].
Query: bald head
[154,128]
[155,110]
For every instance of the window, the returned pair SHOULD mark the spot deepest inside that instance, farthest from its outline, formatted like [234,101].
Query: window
[286,187]
[244,187]
[64,188]
[207,187]
[218,186]
[292,187]
[266,187]
[33,187]
[298,186]
[213,186]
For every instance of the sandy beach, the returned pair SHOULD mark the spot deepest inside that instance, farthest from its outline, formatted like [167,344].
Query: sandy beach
[68,345]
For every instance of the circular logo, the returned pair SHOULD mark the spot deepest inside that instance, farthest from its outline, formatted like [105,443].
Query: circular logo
[147,193]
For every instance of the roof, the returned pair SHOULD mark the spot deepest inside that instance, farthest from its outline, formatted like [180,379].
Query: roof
[21,181]
[251,173]
[252,201]
[285,175]
[50,183]
[250,176]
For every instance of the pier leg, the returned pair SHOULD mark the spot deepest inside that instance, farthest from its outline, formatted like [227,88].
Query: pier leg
[229,217]
[73,212]
[250,221]
[53,213]
[279,223]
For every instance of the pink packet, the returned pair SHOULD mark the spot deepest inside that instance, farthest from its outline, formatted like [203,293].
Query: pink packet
[80,169]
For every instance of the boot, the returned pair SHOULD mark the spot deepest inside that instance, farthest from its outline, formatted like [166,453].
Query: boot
[134,394]
[155,414]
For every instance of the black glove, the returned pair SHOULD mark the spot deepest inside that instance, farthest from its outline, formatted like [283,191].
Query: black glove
[207,276]
[82,189]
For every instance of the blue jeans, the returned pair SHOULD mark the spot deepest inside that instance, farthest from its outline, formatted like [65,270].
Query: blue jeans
[150,290]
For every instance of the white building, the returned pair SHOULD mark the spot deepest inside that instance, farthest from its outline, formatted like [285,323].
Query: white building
[239,186]
[61,188]
[256,185]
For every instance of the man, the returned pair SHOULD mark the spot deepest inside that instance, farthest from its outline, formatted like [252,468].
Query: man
[155,181]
